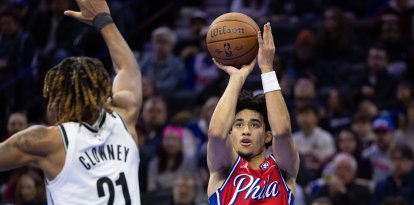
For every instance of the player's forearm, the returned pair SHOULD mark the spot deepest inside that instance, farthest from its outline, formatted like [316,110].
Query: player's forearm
[278,114]
[279,121]
[224,113]
[121,55]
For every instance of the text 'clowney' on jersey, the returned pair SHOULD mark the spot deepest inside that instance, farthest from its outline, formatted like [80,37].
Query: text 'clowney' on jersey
[101,154]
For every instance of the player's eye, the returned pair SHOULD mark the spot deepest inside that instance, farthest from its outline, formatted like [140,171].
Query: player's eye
[239,124]
[255,125]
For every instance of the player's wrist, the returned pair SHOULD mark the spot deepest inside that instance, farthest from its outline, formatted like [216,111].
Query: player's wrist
[101,20]
[270,82]
[266,69]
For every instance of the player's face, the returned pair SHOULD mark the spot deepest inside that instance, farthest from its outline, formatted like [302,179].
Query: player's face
[248,134]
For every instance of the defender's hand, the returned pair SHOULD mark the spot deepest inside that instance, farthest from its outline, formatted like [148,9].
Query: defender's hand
[243,72]
[266,49]
[88,10]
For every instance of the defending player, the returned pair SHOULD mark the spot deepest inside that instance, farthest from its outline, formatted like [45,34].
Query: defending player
[92,151]
[240,170]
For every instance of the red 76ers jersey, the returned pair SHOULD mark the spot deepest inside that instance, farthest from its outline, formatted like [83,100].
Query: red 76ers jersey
[247,186]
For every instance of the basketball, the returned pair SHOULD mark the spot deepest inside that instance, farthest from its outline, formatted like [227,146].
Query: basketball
[232,39]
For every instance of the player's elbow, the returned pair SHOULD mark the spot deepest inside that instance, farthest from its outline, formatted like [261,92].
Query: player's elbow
[215,132]
[282,132]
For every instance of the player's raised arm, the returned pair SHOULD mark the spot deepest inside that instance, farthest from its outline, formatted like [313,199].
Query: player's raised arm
[220,154]
[126,89]
[283,147]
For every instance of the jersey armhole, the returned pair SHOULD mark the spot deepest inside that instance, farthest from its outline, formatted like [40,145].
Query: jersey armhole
[233,168]
[123,122]
[64,136]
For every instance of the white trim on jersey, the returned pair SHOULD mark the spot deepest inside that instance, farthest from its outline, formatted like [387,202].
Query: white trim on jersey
[281,175]
[231,173]
[218,197]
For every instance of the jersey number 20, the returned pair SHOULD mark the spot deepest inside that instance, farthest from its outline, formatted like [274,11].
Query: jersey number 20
[120,181]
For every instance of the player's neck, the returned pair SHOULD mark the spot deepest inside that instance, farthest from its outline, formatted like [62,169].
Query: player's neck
[94,117]
[257,160]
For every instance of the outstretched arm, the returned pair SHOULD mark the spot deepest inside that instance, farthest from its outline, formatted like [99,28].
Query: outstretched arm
[127,91]
[220,154]
[28,146]
[283,147]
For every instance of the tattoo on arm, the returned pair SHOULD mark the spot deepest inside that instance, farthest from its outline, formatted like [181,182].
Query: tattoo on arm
[5,148]
[27,139]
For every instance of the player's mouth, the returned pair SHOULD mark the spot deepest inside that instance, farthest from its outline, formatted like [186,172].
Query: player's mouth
[246,142]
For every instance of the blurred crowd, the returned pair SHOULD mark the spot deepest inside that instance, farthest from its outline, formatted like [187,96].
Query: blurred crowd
[345,68]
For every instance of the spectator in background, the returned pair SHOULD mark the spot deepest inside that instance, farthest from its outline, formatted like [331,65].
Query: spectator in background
[304,93]
[348,142]
[377,84]
[12,193]
[256,9]
[394,201]
[379,152]
[184,191]
[368,108]
[169,160]
[30,190]
[294,11]
[150,126]
[404,11]
[362,127]
[403,97]
[17,121]
[401,182]
[335,36]
[405,134]
[54,32]
[201,71]
[338,113]
[148,88]
[390,36]
[17,62]
[199,127]
[341,187]
[162,66]
[154,117]
[315,145]
[304,62]
[189,43]
[322,201]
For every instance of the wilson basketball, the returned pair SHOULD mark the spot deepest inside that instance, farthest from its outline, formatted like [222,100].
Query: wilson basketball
[232,39]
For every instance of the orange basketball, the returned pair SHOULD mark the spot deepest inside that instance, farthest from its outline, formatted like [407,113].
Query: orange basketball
[232,39]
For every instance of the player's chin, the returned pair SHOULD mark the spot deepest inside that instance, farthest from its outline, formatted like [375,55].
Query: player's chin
[245,154]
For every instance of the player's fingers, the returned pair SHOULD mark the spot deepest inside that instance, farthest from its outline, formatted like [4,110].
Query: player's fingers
[251,64]
[73,14]
[219,65]
[260,39]
[265,33]
[270,35]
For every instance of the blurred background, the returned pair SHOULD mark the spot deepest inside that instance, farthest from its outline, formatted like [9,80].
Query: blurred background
[345,68]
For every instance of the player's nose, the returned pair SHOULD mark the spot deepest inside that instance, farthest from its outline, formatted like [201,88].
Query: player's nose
[246,130]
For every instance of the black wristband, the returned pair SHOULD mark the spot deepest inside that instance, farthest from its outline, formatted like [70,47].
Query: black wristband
[101,20]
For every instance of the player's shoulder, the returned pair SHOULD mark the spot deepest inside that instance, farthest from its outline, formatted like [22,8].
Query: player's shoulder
[42,130]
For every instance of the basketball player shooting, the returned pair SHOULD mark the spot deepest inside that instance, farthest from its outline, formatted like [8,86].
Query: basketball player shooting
[92,151]
[241,127]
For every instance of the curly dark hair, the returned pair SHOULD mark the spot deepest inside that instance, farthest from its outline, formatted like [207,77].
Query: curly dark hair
[247,100]
[77,88]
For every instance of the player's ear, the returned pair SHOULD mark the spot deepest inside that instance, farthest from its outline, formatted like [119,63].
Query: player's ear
[269,137]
